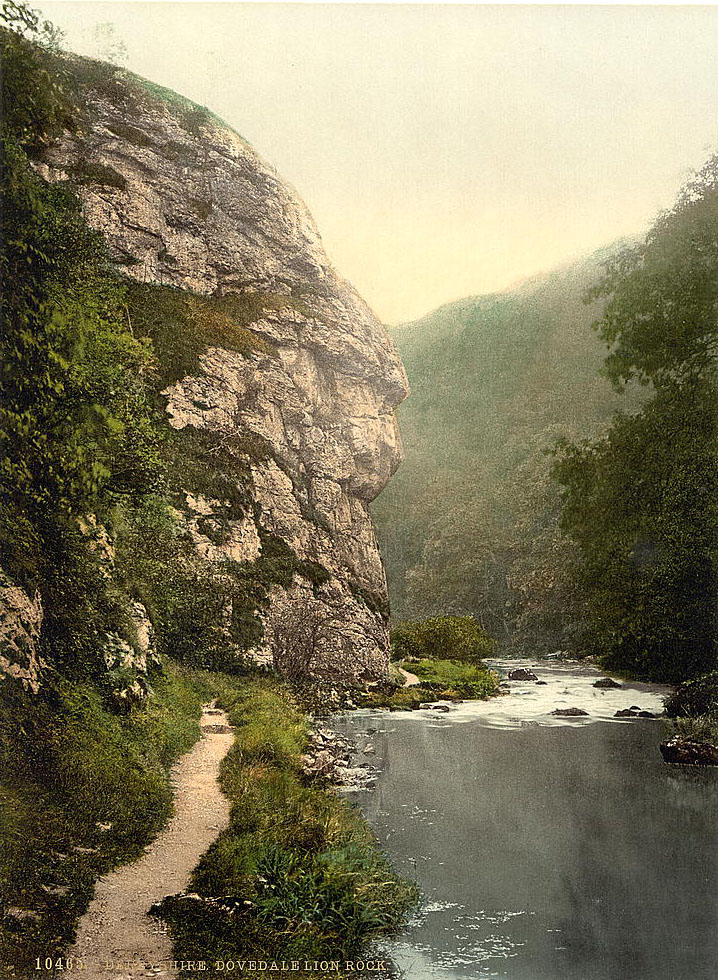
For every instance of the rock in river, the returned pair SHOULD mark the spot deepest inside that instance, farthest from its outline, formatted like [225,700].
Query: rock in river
[688,753]
[606,682]
[522,674]
[569,712]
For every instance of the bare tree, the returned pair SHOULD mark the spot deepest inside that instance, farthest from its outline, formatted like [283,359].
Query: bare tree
[297,632]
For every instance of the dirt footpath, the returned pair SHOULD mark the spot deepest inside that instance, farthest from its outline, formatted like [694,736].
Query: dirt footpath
[116,938]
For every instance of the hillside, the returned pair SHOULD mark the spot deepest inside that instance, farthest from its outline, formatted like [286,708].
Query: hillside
[495,380]
[197,410]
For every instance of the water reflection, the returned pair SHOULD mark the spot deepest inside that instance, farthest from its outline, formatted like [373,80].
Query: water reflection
[549,851]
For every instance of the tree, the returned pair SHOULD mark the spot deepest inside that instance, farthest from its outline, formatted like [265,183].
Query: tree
[296,636]
[641,502]
[441,638]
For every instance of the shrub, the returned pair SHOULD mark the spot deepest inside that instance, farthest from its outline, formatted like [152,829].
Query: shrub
[441,638]
[696,697]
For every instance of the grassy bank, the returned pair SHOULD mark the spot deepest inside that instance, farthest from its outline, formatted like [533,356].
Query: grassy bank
[83,790]
[446,680]
[297,873]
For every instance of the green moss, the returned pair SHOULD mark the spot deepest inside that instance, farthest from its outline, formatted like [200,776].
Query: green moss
[182,325]
[90,172]
[131,134]
[212,465]
[177,152]
[375,601]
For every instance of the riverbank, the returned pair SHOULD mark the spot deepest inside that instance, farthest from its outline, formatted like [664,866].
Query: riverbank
[431,681]
[296,874]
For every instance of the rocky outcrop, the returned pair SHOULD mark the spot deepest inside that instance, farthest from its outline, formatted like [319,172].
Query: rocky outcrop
[183,201]
[21,618]
[687,752]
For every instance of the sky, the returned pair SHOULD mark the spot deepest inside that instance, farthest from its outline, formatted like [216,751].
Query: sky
[443,150]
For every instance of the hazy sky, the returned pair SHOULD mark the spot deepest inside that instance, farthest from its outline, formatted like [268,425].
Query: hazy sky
[444,150]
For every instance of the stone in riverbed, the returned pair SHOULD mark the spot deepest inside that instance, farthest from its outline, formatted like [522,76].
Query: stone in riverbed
[541,682]
[606,683]
[688,753]
[626,713]
[569,712]
[522,674]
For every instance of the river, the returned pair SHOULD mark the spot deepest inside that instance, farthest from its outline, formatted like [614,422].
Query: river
[545,847]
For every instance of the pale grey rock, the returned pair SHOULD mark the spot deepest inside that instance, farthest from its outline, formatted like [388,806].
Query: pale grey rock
[21,618]
[202,211]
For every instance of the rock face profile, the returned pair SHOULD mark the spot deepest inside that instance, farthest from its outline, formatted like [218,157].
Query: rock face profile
[184,202]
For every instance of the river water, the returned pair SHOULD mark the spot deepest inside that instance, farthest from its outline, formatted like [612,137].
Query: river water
[546,848]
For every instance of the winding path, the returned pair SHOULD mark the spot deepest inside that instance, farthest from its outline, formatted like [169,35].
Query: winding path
[410,680]
[116,938]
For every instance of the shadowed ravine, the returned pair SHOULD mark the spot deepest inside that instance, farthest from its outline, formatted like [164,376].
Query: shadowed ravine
[546,848]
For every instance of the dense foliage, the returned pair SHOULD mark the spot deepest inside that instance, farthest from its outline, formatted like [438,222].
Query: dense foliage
[77,428]
[641,502]
[457,638]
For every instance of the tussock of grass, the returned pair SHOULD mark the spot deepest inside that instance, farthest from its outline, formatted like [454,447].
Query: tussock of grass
[702,728]
[299,864]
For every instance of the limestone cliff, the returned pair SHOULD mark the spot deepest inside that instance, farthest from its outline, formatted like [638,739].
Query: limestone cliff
[183,201]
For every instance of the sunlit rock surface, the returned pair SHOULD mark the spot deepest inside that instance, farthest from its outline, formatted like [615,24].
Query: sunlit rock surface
[195,207]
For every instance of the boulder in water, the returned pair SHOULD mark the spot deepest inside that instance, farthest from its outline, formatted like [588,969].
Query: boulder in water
[688,753]
[626,713]
[606,682]
[569,712]
[522,674]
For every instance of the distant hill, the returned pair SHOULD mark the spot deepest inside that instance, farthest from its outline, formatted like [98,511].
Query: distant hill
[495,381]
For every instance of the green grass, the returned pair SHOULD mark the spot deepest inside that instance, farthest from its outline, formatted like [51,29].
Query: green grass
[68,766]
[702,728]
[449,680]
[298,870]
[182,325]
